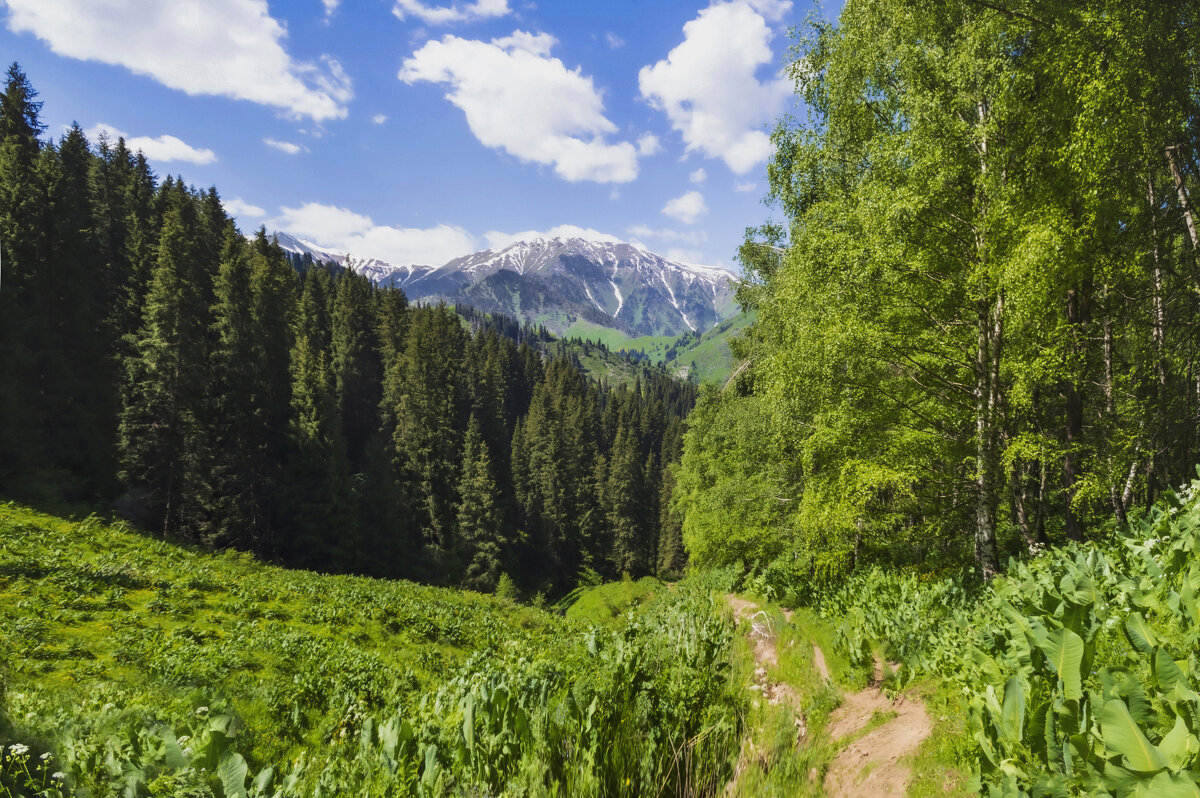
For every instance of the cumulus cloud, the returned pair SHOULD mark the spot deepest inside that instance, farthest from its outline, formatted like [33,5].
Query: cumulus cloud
[749,185]
[498,240]
[649,145]
[330,7]
[341,228]
[230,48]
[691,238]
[698,176]
[446,15]
[687,208]
[708,85]
[283,146]
[242,209]
[520,100]
[379,119]
[163,149]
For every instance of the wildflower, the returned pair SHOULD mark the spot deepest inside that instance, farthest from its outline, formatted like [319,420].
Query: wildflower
[109,707]
[46,757]
[201,711]
[18,749]
[187,752]
[58,775]
[184,739]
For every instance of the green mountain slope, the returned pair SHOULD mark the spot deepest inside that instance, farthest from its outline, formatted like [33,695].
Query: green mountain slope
[703,356]
[144,668]
[707,358]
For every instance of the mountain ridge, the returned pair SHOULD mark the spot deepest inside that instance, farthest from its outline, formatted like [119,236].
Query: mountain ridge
[558,281]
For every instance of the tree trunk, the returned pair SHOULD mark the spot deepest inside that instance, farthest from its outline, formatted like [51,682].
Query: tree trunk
[1189,216]
[985,469]
[1074,431]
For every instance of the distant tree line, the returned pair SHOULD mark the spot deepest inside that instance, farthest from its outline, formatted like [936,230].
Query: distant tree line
[154,357]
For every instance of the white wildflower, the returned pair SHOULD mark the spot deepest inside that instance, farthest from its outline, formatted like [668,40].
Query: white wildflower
[201,711]
[46,757]
[58,775]
[18,749]
[184,739]
[187,752]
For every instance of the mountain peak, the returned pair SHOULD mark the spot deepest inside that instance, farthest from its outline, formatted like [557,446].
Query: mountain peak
[561,282]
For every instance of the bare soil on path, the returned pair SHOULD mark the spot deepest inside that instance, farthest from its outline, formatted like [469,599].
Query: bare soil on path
[877,763]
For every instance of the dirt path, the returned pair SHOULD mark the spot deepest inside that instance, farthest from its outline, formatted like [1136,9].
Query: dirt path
[877,762]
[874,764]
[765,654]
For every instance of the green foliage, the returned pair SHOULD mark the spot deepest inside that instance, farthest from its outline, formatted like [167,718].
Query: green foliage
[975,326]
[140,667]
[1078,667]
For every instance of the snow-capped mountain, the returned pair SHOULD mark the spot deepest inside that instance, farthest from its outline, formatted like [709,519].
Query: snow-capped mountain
[560,281]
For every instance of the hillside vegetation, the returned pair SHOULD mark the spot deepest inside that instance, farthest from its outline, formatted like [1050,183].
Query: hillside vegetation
[139,667]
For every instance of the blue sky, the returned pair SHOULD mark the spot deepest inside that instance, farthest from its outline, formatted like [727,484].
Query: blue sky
[419,130]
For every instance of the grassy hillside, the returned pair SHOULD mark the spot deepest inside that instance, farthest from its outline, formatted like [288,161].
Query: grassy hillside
[138,667]
[653,346]
[705,356]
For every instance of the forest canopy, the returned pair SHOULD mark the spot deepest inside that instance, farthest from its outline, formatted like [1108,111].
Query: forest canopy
[979,323]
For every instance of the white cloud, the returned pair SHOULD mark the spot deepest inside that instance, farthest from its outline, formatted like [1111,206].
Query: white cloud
[330,7]
[443,15]
[340,228]
[240,208]
[708,88]
[163,148]
[649,145]
[684,255]
[691,238]
[519,100]
[379,119]
[687,208]
[698,176]
[230,48]
[539,44]
[498,240]
[283,146]
[749,185]
[773,10]
[614,41]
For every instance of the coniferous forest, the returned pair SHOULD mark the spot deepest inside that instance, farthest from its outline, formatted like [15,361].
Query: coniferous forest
[937,534]
[217,390]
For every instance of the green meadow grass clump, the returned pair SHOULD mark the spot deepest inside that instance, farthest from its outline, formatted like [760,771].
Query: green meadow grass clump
[131,666]
[1078,669]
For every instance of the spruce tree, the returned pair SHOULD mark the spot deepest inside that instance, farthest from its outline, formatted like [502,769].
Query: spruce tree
[321,529]
[165,379]
[480,516]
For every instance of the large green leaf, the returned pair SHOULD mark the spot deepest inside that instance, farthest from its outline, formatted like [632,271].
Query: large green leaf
[1122,736]
[1167,785]
[1140,635]
[1012,716]
[1178,744]
[1064,651]
[232,772]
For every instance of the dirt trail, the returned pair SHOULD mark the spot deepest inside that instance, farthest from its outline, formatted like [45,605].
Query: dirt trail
[765,654]
[874,764]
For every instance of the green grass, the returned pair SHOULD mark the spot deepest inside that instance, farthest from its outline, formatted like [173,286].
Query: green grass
[145,667]
[607,604]
[653,346]
[710,354]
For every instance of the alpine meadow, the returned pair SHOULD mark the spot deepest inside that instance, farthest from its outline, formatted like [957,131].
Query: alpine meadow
[299,504]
